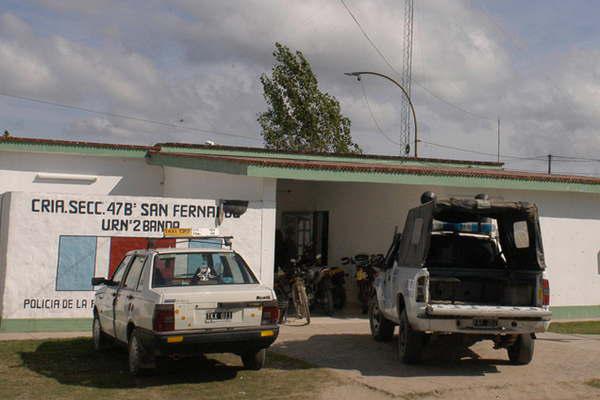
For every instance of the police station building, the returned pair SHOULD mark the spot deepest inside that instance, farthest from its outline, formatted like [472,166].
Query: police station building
[71,210]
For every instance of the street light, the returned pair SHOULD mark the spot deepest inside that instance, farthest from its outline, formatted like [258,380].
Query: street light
[412,108]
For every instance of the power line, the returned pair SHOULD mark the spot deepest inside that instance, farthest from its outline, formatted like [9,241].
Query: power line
[123,116]
[537,158]
[389,64]
[373,116]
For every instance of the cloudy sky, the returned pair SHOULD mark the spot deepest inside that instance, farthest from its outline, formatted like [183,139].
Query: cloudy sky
[194,66]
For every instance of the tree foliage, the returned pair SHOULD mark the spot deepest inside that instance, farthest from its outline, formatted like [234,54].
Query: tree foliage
[299,116]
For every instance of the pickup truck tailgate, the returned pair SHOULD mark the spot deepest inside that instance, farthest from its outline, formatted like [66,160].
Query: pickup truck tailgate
[477,311]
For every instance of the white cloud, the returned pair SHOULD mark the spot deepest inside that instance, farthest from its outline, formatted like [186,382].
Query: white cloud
[197,64]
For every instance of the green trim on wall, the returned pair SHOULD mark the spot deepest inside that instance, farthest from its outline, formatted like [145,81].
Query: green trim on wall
[414,179]
[46,325]
[575,312]
[85,324]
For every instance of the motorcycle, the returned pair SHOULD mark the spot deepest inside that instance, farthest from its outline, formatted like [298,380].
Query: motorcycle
[366,270]
[319,286]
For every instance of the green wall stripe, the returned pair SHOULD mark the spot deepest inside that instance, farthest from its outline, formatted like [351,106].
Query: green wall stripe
[46,325]
[85,324]
[576,312]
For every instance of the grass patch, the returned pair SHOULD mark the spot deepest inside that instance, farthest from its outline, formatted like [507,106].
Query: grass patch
[70,369]
[584,327]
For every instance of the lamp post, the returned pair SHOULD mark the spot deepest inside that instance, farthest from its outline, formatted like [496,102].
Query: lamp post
[412,108]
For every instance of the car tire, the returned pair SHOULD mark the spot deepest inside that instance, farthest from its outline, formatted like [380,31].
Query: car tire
[382,329]
[255,360]
[138,357]
[521,353]
[410,342]
[100,339]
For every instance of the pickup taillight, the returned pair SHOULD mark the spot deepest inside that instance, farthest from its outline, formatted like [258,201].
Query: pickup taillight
[164,318]
[270,313]
[421,292]
[545,292]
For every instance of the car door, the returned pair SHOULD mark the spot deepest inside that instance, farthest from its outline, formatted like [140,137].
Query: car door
[126,297]
[106,298]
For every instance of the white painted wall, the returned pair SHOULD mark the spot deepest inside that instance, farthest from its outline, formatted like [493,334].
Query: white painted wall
[116,176]
[188,183]
[362,218]
[31,237]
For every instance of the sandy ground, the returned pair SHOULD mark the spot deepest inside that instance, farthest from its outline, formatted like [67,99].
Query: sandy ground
[371,370]
[368,369]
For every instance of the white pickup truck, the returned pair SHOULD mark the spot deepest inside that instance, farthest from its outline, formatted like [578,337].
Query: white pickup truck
[473,268]
[180,301]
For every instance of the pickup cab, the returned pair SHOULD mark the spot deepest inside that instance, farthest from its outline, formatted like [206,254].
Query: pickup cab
[473,268]
[184,301]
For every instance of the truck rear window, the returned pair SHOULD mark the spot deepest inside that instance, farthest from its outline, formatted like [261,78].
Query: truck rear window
[208,268]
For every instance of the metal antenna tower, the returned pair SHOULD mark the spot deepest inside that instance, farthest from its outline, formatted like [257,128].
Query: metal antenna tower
[405,79]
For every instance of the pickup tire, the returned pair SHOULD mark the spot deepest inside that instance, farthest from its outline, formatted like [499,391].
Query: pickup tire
[521,353]
[138,357]
[410,342]
[382,329]
[254,360]
[100,339]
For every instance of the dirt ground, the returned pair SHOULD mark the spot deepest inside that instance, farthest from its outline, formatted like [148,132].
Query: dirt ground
[368,369]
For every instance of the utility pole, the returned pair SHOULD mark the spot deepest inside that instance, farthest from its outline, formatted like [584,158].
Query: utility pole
[406,78]
[498,140]
[549,164]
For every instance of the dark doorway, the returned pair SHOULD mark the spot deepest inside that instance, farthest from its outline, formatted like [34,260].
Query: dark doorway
[307,233]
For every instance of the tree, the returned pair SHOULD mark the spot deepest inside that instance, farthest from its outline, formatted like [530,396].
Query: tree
[299,116]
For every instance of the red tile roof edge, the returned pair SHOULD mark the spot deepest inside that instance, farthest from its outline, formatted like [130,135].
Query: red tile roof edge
[378,168]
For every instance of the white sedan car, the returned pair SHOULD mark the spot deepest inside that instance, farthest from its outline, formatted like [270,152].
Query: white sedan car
[174,302]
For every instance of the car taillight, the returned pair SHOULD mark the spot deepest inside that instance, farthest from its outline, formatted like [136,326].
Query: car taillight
[270,314]
[164,318]
[545,292]
[421,293]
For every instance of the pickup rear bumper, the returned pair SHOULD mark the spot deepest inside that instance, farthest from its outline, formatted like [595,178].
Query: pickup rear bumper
[487,320]
[196,342]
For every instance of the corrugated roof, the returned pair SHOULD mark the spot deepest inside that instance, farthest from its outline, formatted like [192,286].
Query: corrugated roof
[266,153]
[12,143]
[315,166]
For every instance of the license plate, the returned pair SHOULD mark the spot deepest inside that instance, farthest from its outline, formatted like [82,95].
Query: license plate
[485,323]
[214,316]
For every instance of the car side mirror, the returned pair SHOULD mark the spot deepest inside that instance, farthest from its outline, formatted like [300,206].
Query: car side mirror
[101,281]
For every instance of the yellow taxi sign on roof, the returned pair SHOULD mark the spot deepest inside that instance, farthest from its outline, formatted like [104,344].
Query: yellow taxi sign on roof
[177,232]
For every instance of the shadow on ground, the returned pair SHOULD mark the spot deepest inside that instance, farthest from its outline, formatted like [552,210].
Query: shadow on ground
[74,362]
[360,352]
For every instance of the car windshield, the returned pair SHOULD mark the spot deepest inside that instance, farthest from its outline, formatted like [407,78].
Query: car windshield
[207,268]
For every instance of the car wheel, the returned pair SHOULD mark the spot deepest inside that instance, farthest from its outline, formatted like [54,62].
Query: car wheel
[410,342]
[255,360]
[521,353]
[138,358]
[382,329]
[100,339]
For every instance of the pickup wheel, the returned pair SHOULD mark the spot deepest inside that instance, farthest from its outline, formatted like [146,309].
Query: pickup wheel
[139,359]
[521,352]
[410,342]
[382,329]
[101,341]
[255,360]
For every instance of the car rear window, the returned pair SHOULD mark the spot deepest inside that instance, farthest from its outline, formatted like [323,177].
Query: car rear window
[206,268]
